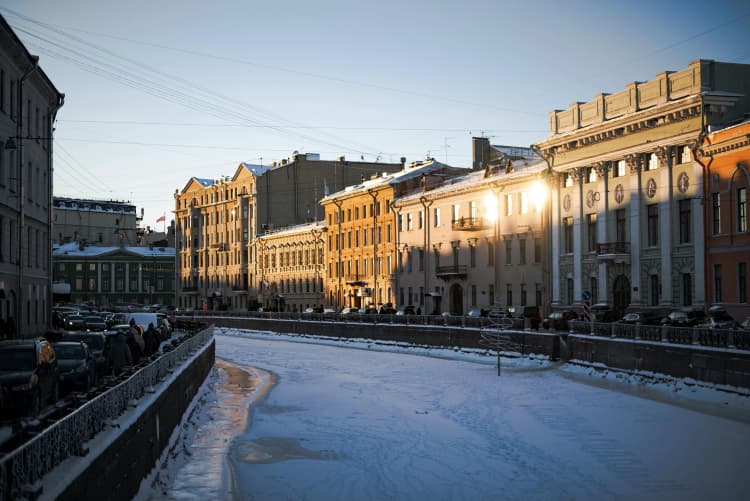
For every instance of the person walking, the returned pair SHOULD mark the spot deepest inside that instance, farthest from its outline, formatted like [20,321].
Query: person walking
[120,355]
[151,339]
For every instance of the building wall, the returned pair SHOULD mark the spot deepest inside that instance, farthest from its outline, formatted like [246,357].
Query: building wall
[97,222]
[25,186]
[293,267]
[726,155]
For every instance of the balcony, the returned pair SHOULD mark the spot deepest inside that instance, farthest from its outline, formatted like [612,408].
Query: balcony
[355,280]
[454,271]
[190,289]
[468,224]
[613,250]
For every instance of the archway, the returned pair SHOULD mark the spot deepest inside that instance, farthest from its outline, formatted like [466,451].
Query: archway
[456,299]
[621,295]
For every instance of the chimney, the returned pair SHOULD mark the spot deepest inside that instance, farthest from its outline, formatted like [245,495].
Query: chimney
[480,152]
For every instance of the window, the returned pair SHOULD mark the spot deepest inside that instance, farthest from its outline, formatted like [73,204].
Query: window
[508,295]
[717,284]
[421,259]
[473,256]
[569,283]
[473,295]
[620,225]
[409,222]
[537,250]
[594,288]
[687,289]
[436,254]
[591,231]
[524,202]
[472,209]
[410,261]
[79,266]
[522,251]
[538,295]
[684,221]
[490,254]
[491,289]
[388,232]
[715,213]
[653,225]
[456,211]
[619,169]
[523,295]
[568,180]
[653,162]
[654,289]
[509,204]
[742,282]
[436,217]
[567,235]
[508,252]
[741,210]
[421,220]
[92,284]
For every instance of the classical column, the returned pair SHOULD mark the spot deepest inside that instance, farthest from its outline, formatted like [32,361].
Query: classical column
[127,277]
[699,249]
[555,241]
[663,154]
[634,164]
[602,231]
[577,211]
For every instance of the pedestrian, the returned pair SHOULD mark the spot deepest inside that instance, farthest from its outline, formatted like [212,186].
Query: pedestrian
[419,310]
[120,355]
[151,339]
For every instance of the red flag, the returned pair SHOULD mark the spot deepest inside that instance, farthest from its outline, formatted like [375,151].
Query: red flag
[161,219]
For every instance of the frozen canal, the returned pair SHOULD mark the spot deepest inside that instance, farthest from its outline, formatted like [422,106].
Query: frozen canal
[344,421]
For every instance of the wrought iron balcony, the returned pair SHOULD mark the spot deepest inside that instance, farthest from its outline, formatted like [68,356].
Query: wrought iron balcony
[613,248]
[453,271]
[468,224]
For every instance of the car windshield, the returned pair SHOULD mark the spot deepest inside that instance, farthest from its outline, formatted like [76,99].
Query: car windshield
[94,342]
[555,315]
[17,359]
[69,352]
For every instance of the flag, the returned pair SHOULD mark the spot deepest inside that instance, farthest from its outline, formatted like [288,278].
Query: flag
[161,219]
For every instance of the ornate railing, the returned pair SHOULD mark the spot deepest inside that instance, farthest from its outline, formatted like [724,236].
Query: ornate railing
[22,470]
[453,270]
[613,248]
[468,224]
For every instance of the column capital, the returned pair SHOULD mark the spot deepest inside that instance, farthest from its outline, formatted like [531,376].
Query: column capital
[634,163]
[664,154]
[601,168]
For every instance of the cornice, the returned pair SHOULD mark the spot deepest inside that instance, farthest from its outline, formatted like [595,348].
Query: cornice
[725,146]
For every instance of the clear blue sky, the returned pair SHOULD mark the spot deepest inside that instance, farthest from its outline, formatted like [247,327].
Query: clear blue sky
[387,78]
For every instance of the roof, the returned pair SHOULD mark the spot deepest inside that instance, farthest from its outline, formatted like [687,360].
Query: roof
[204,181]
[89,205]
[74,249]
[255,169]
[410,172]
[292,230]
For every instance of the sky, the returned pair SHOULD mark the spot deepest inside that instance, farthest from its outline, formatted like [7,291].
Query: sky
[158,92]
[321,418]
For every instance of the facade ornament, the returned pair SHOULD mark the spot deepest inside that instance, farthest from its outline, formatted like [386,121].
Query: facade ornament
[683,182]
[651,188]
[601,169]
[664,154]
[619,193]
[634,163]
[566,202]
[591,198]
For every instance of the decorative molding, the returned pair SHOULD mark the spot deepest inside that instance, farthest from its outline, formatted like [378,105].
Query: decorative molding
[566,202]
[664,154]
[651,188]
[683,182]
[619,193]
[634,163]
[601,169]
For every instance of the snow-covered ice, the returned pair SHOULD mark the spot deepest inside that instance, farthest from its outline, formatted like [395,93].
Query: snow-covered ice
[366,420]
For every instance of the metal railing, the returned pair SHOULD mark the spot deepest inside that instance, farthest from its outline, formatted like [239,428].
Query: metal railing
[613,248]
[22,469]
[454,269]
[699,335]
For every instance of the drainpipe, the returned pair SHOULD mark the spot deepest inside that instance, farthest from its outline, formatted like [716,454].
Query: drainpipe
[52,117]
[20,191]
[696,150]
[375,235]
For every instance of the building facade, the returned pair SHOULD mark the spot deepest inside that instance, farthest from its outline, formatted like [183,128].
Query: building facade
[107,276]
[29,103]
[474,241]
[725,156]
[363,237]
[626,215]
[292,267]
[96,222]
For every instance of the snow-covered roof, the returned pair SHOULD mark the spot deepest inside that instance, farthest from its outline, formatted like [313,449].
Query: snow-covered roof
[292,230]
[410,172]
[73,249]
[256,169]
[476,180]
[203,181]
[90,205]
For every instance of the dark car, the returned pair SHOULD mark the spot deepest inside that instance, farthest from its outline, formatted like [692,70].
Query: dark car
[558,320]
[77,366]
[368,311]
[719,318]
[684,318]
[28,375]
[406,310]
[645,317]
[96,343]
[602,312]
[94,323]
[75,323]
[521,313]
[387,309]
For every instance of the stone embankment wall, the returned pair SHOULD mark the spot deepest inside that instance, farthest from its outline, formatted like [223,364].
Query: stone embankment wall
[117,473]
[713,365]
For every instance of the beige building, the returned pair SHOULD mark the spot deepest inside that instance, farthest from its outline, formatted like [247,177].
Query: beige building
[475,240]
[363,238]
[626,196]
[292,276]
[214,224]
[96,222]
[29,103]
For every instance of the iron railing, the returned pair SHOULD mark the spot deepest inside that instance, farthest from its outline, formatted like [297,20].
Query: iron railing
[613,248]
[22,469]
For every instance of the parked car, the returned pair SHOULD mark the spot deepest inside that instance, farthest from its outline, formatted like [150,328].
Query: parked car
[602,312]
[75,322]
[523,312]
[96,343]
[558,320]
[368,310]
[76,365]
[349,311]
[685,317]
[745,324]
[644,317]
[406,310]
[387,309]
[94,323]
[477,312]
[28,375]
[719,318]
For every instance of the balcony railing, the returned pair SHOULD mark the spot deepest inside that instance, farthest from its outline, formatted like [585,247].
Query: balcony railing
[613,248]
[456,270]
[468,224]
[189,288]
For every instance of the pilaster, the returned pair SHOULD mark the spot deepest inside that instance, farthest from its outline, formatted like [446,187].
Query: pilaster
[577,211]
[665,222]
[634,164]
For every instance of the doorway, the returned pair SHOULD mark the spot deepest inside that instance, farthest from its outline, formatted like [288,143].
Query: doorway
[621,293]
[456,299]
